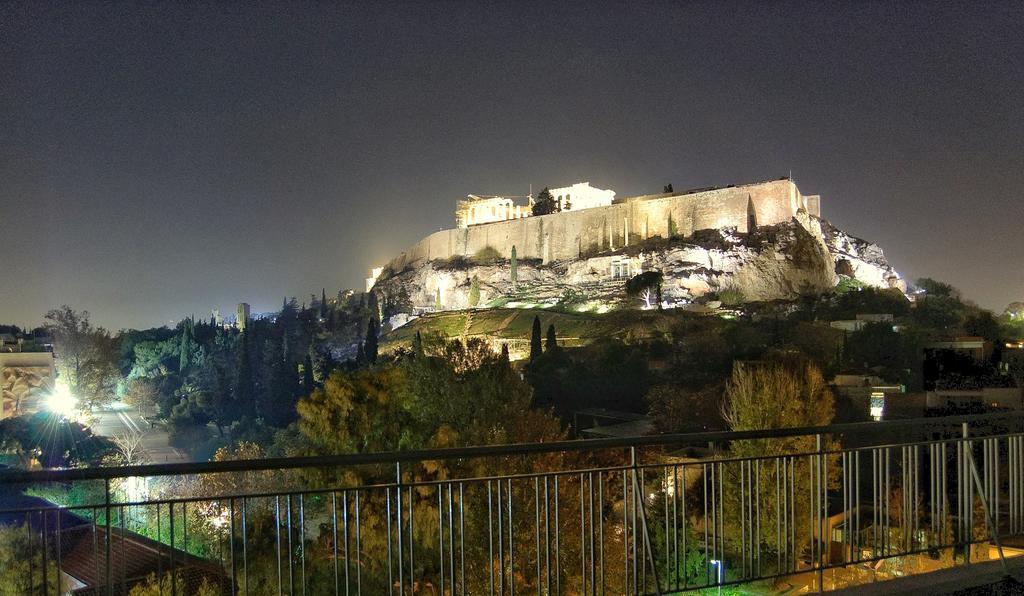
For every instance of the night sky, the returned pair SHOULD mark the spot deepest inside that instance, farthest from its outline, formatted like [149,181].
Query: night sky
[162,159]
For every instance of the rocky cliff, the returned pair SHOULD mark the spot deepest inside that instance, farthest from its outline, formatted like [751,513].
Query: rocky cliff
[803,256]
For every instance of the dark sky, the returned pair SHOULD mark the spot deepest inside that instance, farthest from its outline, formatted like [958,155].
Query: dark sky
[160,159]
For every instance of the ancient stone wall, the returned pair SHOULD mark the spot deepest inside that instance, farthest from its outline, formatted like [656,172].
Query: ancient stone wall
[579,234]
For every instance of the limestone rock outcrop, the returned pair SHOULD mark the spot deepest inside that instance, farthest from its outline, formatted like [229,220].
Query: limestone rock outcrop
[805,255]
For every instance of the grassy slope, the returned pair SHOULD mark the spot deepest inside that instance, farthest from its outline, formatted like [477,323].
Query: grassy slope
[516,323]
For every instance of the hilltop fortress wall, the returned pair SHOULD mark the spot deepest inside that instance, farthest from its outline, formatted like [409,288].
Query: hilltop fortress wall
[578,234]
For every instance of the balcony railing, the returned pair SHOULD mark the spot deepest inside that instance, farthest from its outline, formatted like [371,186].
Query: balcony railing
[820,508]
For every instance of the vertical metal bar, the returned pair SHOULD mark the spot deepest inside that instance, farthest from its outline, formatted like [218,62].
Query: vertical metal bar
[291,547]
[721,516]
[398,525]
[707,554]
[159,534]
[547,536]
[675,526]
[184,540]
[558,544]
[32,555]
[583,540]
[778,518]
[462,541]
[490,539]
[590,493]
[59,540]
[451,541]
[44,531]
[511,546]
[334,541]
[668,548]
[639,500]
[245,550]
[536,527]
[440,535]
[344,521]
[302,538]
[110,585]
[412,553]
[625,534]
[387,514]
[170,554]
[359,551]
[746,518]
[757,512]
[600,522]
[231,544]
[501,539]
[277,536]
[633,498]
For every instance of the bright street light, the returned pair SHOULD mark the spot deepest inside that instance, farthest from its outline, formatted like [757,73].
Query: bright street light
[60,401]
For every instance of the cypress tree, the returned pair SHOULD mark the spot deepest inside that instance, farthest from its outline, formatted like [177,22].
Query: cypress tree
[185,350]
[535,346]
[417,345]
[504,353]
[307,373]
[370,345]
[245,389]
[552,342]
[323,304]
[514,266]
[474,292]
[373,306]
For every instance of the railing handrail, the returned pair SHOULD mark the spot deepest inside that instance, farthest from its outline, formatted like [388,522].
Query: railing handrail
[449,453]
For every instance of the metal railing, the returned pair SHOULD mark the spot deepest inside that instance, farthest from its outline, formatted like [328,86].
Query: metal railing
[820,507]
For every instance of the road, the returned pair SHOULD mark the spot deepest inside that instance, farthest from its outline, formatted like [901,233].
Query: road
[119,421]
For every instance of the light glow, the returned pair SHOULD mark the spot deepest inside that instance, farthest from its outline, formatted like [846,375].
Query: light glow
[61,401]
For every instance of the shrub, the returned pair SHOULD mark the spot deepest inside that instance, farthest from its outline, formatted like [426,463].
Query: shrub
[731,297]
[487,255]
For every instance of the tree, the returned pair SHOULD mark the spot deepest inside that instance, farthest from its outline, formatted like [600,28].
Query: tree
[545,203]
[87,356]
[21,563]
[474,292]
[185,351]
[668,188]
[982,324]
[933,287]
[552,341]
[417,345]
[307,373]
[141,394]
[775,394]
[646,286]
[514,267]
[323,304]
[370,345]
[356,412]
[535,345]
[676,409]
[130,450]
[245,384]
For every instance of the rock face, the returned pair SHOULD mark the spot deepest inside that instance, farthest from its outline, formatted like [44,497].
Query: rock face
[859,259]
[803,256]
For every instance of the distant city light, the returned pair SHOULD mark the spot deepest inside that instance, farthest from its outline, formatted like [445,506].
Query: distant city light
[60,401]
